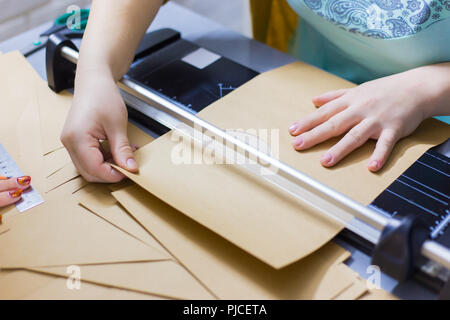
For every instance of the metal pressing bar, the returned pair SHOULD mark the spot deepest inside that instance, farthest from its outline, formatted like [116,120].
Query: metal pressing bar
[430,249]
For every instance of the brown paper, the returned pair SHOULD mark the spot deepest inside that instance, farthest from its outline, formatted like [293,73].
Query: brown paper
[255,215]
[60,177]
[53,110]
[98,199]
[62,233]
[226,270]
[29,285]
[55,161]
[165,278]
[378,294]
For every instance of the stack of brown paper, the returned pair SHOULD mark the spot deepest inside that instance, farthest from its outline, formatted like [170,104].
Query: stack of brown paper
[131,245]
[229,272]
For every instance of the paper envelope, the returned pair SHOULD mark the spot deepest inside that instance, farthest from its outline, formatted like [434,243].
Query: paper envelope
[226,270]
[250,212]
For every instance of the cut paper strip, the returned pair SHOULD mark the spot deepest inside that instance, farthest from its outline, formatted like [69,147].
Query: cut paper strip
[30,285]
[166,279]
[55,161]
[65,174]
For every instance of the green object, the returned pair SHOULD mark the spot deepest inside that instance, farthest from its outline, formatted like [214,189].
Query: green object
[84,15]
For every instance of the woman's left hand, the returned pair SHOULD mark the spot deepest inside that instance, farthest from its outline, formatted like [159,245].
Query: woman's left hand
[386,109]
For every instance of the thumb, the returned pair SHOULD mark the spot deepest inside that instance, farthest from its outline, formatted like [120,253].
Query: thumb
[122,152]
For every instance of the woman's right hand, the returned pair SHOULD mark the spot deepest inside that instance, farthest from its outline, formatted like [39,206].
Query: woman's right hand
[112,35]
[98,113]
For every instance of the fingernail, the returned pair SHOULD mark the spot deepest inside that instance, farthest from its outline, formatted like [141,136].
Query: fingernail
[374,165]
[15,194]
[131,163]
[298,142]
[24,181]
[326,158]
[3,178]
[293,127]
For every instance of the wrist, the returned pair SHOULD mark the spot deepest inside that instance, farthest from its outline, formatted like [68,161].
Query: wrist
[433,90]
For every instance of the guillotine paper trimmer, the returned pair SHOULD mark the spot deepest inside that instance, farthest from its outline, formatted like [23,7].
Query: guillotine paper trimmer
[400,244]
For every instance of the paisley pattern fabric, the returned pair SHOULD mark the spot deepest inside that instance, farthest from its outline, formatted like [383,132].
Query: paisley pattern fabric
[382,19]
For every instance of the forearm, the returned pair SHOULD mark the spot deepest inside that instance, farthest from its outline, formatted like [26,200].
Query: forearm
[113,34]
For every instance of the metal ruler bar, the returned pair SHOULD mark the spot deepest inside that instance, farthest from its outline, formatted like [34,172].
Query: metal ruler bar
[175,112]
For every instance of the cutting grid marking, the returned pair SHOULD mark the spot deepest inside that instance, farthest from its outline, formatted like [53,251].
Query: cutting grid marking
[413,203]
[439,229]
[426,165]
[422,192]
[222,89]
[423,185]
[429,154]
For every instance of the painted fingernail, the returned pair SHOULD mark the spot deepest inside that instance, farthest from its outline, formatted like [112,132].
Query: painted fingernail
[24,181]
[3,178]
[374,165]
[293,128]
[326,159]
[131,163]
[15,194]
[298,142]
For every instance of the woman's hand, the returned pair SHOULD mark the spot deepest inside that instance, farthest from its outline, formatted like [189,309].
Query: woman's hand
[98,113]
[386,109]
[11,189]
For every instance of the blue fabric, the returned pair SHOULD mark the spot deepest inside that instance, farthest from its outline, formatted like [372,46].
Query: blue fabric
[382,19]
[344,38]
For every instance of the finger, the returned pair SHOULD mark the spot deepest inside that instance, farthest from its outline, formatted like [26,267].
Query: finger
[318,117]
[10,197]
[334,127]
[15,183]
[89,161]
[328,96]
[383,148]
[355,138]
[122,152]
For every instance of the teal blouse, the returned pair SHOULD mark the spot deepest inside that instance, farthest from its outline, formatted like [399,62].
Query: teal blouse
[361,40]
